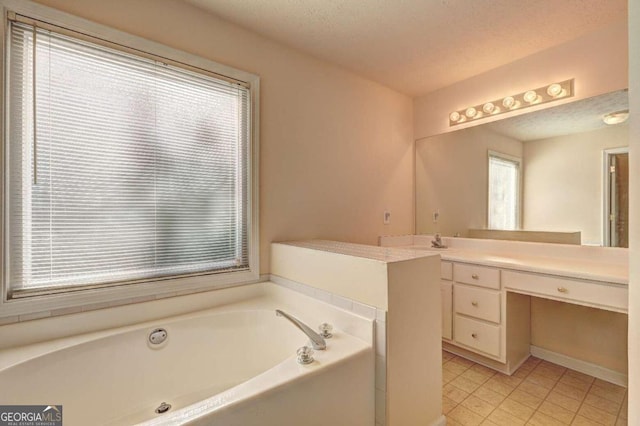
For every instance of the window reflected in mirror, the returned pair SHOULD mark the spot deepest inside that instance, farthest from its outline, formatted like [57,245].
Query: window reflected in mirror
[504,191]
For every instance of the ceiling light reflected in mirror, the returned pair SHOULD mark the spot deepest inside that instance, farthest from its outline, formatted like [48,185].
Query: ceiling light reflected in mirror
[616,117]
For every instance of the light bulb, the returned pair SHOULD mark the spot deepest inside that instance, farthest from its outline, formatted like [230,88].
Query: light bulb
[488,107]
[454,116]
[471,112]
[554,90]
[530,96]
[616,117]
[508,102]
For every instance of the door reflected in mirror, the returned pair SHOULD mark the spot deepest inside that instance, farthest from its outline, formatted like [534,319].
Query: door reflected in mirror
[565,191]
[616,205]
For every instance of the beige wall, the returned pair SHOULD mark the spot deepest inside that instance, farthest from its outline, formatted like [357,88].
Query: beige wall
[451,177]
[634,212]
[563,181]
[597,61]
[336,149]
[599,337]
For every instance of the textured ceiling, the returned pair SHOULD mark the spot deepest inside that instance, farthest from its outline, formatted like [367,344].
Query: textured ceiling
[575,117]
[417,46]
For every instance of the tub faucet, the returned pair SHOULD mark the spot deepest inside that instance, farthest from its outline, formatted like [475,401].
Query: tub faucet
[437,242]
[317,341]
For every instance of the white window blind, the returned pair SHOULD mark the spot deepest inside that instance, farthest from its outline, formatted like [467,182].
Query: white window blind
[121,168]
[504,192]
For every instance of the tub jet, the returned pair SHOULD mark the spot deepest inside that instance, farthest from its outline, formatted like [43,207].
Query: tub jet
[158,336]
[163,408]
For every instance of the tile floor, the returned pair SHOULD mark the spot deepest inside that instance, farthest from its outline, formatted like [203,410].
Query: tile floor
[539,393]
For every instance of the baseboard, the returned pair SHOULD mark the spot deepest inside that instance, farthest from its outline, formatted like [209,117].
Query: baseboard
[505,368]
[442,421]
[478,359]
[264,277]
[585,367]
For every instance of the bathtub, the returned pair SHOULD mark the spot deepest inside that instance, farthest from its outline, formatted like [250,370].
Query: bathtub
[234,364]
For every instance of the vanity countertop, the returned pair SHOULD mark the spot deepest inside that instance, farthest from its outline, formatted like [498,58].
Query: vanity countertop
[591,268]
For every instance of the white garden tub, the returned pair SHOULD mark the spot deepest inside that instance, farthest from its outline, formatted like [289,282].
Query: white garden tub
[231,365]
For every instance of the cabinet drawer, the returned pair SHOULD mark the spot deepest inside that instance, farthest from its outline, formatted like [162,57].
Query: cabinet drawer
[477,335]
[446,270]
[477,275]
[477,302]
[589,293]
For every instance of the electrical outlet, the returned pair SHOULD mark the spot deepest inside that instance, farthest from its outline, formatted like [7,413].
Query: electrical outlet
[386,218]
[436,216]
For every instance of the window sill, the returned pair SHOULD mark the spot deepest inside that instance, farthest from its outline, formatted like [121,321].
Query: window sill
[50,305]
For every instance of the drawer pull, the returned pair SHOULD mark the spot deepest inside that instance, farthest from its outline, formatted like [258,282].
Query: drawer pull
[475,276]
[474,335]
[474,303]
[562,289]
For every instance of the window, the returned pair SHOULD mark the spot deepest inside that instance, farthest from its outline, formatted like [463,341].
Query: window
[122,166]
[504,191]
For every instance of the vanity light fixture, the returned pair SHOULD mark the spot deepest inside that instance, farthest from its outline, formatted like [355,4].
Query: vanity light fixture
[554,90]
[471,112]
[489,108]
[530,97]
[541,95]
[616,117]
[509,102]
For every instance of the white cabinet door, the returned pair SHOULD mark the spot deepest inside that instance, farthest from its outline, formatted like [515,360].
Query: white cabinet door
[446,289]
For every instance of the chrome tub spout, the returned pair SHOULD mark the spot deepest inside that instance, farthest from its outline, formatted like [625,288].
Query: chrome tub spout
[317,341]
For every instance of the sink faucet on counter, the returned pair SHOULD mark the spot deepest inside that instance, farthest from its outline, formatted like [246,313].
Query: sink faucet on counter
[317,341]
[437,242]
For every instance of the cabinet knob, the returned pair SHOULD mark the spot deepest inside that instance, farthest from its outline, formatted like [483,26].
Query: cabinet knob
[562,289]
[475,276]
[474,303]
[474,335]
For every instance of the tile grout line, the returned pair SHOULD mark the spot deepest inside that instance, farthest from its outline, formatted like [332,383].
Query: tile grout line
[573,417]
[583,401]
[543,399]
[622,405]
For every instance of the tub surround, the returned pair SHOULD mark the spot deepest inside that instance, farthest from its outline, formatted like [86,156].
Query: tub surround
[490,317]
[272,371]
[356,271]
[399,282]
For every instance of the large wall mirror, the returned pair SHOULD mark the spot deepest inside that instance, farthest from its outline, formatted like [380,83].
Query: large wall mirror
[555,175]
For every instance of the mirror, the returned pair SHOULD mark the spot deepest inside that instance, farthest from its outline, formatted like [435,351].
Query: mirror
[554,175]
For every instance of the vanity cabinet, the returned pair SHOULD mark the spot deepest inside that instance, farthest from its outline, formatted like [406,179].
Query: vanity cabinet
[446,293]
[485,327]
[489,287]
[477,304]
